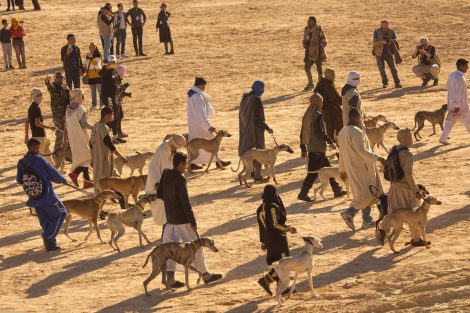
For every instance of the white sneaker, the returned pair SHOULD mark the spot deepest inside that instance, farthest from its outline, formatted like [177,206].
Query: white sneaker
[444,142]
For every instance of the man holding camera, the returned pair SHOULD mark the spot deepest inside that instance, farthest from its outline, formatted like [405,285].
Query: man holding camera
[314,43]
[386,50]
[428,66]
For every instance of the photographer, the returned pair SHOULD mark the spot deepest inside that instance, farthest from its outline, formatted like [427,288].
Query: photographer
[428,66]
[120,94]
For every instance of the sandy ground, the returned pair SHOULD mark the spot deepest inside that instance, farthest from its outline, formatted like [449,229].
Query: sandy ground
[232,43]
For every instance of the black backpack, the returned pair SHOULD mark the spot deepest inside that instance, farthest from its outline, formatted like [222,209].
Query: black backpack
[32,183]
[393,171]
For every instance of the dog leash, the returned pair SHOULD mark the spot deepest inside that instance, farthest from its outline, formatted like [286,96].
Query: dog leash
[274,138]
[81,190]
[53,153]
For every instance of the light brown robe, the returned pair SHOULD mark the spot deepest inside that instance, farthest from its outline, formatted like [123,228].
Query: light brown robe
[102,157]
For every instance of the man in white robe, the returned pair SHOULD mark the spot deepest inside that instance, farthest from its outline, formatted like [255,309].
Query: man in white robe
[457,103]
[161,160]
[357,165]
[199,111]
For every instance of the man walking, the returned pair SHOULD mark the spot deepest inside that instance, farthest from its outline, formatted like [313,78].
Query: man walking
[60,99]
[72,61]
[49,208]
[106,29]
[161,160]
[428,66]
[385,47]
[252,125]
[457,103]
[5,39]
[357,165]
[138,19]
[351,98]
[102,148]
[314,43]
[313,140]
[199,111]
[181,224]
[121,32]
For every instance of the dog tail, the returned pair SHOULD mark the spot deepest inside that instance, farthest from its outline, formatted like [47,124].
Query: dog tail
[239,162]
[148,257]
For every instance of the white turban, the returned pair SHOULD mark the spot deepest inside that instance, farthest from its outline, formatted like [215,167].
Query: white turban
[354,78]
[178,141]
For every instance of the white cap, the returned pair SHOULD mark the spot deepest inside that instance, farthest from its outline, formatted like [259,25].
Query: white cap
[112,58]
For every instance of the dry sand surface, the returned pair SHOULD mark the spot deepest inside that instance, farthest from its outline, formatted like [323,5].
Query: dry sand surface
[233,43]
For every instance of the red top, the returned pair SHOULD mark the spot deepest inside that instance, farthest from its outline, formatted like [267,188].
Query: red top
[19,33]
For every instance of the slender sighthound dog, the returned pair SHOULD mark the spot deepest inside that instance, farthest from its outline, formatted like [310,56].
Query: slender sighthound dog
[434,117]
[212,146]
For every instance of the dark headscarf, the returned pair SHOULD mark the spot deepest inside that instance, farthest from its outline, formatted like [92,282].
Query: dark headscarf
[270,196]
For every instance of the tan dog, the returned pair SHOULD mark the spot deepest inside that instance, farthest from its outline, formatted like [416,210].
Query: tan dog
[125,186]
[135,162]
[266,157]
[416,220]
[372,121]
[324,175]
[181,253]
[88,208]
[376,135]
[132,217]
[212,146]
[434,117]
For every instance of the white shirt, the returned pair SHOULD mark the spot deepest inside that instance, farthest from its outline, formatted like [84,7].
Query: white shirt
[122,16]
[161,160]
[457,92]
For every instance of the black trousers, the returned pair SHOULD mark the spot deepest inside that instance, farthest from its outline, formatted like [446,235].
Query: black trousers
[84,170]
[316,160]
[117,109]
[137,33]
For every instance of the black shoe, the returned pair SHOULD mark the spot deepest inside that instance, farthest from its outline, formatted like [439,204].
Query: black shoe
[172,52]
[398,86]
[261,180]
[340,193]
[264,284]
[194,167]
[425,82]
[11,67]
[308,87]
[119,140]
[53,248]
[225,163]
[436,82]
[142,54]
[304,197]
[419,243]
[212,278]
[385,85]
[103,215]
[7,67]
[123,135]
[177,284]
[137,54]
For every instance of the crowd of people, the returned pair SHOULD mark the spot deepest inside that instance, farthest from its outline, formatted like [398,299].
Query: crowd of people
[333,119]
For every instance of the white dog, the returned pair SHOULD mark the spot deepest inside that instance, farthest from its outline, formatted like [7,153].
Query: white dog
[299,263]
[324,175]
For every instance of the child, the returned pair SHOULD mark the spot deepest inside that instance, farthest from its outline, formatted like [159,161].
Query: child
[273,232]
[5,39]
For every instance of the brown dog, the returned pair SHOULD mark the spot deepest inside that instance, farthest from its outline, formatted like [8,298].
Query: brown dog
[125,186]
[88,208]
[181,253]
[434,117]
[212,146]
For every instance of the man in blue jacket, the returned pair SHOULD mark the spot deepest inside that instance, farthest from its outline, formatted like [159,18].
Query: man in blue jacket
[49,209]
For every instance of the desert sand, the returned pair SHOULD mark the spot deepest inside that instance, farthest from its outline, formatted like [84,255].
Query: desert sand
[232,43]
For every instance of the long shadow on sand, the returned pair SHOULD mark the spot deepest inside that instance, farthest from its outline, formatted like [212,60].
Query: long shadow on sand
[432,152]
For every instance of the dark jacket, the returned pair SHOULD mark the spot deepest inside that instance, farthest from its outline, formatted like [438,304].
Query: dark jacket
[174,193]
[109,82]
[46,172]
[252,123]
[163,24]
[136,17]
[329,94]
[73,61]
[318,137]
[5,36]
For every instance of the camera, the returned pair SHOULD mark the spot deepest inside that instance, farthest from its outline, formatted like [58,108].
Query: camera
[122,91]
[420,47]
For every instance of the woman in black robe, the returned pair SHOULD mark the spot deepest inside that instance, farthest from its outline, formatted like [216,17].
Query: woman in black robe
[163,27]
[273,231]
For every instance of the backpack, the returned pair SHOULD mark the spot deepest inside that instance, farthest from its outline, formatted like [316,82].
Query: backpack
[32,183]
[393,171]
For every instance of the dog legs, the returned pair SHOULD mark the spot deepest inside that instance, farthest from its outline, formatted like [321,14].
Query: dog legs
[186,277]
[310,282]
[271,166]
[156,268]
[248,170]
[423,233]
[90,231]
[68,220]
[293,285]
[396,233]
[95,223]
[381,144]
[433,130]
[209,164]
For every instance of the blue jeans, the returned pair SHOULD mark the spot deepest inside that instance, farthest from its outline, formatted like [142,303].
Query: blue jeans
[51,218]
[95,92]
[121,41]
[73,77]
[106,46]
[365,213]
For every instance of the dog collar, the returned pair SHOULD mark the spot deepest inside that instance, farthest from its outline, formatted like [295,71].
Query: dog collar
[196,244]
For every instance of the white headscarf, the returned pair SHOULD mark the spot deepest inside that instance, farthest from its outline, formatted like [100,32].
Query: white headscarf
[354,78]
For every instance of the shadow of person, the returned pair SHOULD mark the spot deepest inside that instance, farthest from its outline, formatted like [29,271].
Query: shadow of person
[422,155]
